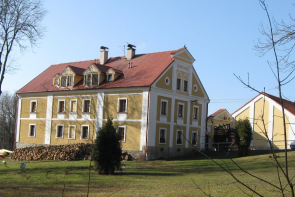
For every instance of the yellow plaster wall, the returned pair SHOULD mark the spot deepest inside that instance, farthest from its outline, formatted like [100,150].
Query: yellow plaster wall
[134,106]
[199,92]
[167,127]
[176,128]
[184,111]
[244,114]
[79,105]
[278,130]
[192,112]
[161,82]
[66,124]
[224,114]
[77,78]
[261,108]
[39,131]
[191,129]
[41,107]
[132,135]
[221,122]
[184,55]
[159,108]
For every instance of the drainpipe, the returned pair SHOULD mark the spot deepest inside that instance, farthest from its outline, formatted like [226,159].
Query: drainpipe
[147,123]
[15,122]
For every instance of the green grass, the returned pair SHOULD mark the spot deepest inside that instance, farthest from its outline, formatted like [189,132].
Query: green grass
[142,178]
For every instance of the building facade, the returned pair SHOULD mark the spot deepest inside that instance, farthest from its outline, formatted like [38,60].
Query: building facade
[265,114]
[156,100]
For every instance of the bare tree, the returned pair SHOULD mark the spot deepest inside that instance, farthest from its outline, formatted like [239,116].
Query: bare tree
[7,120]
[20,25]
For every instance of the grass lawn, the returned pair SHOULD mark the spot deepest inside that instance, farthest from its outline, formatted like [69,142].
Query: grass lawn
[142,178]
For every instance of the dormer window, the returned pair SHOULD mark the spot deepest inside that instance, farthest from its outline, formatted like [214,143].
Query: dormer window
[70,80]
[63,81]
[56,81]
[94,79]
[87,80]
[110,78]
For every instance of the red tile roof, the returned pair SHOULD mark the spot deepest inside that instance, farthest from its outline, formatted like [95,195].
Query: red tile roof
[288,105]
[146,68]
[217,112]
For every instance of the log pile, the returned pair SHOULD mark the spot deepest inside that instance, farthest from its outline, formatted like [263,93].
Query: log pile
[79,151]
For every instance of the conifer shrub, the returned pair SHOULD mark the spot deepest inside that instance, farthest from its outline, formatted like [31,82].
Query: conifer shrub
[106,152]
[243,136]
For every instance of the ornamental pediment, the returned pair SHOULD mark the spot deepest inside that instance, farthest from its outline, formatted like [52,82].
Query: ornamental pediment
[67,71]
[91,69]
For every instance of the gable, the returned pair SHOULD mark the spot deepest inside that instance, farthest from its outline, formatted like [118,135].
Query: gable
[184,55]
[91,69]
[224,116]
[67,71]
[165,80]
[197,89]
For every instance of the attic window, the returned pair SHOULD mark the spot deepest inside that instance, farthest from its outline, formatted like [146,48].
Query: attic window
[56,81]
[94,79]
[87,80]
[110,77]
[70,80]
[64,81]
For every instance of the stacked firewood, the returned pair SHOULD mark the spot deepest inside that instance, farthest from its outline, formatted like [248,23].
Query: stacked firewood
[79,151]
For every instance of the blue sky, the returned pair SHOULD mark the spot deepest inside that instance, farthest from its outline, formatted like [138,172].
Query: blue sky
[219,34]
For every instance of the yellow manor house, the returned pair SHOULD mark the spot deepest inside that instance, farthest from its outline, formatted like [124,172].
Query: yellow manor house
[156,100]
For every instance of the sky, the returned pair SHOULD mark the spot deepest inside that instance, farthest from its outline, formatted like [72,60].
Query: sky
[220,35]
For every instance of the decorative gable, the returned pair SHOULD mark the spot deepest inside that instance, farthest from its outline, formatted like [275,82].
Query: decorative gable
[184,55]
[91,69]
[67,71]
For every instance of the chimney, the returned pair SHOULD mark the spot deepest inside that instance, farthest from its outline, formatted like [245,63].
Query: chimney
[130,51]
[103,54]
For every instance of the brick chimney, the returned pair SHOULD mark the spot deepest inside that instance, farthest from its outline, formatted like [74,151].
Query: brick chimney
[130,51]
[103,54]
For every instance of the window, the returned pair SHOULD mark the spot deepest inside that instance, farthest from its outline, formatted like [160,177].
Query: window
[34,106]
[164,107]
[32,129]
[162,136]
[59,131]
[85,132]
[178,85]
[70,80]
[185,82]
[61,106]
[56,81]
[73,106]
[121,131]
[64,81]
[72,132]
[180,110]
[194,138]
[86,105]
[87,80]
[110,78]
[122,105]
[196,113]
[179,137]
[94,79]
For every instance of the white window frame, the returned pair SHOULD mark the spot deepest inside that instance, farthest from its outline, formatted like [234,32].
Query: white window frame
[69,128]
[164,134]
[124,140]
[166,112]
[198,115]
[182,110]
[192,138]
[30,130]
[31,106]
[56,132]
[84,103]
[118,105]
[64,106]
[180,135]
[71,105]
[82,132]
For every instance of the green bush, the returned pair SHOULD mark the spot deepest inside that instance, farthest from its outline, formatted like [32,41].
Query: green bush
[107,150]
[243,136]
